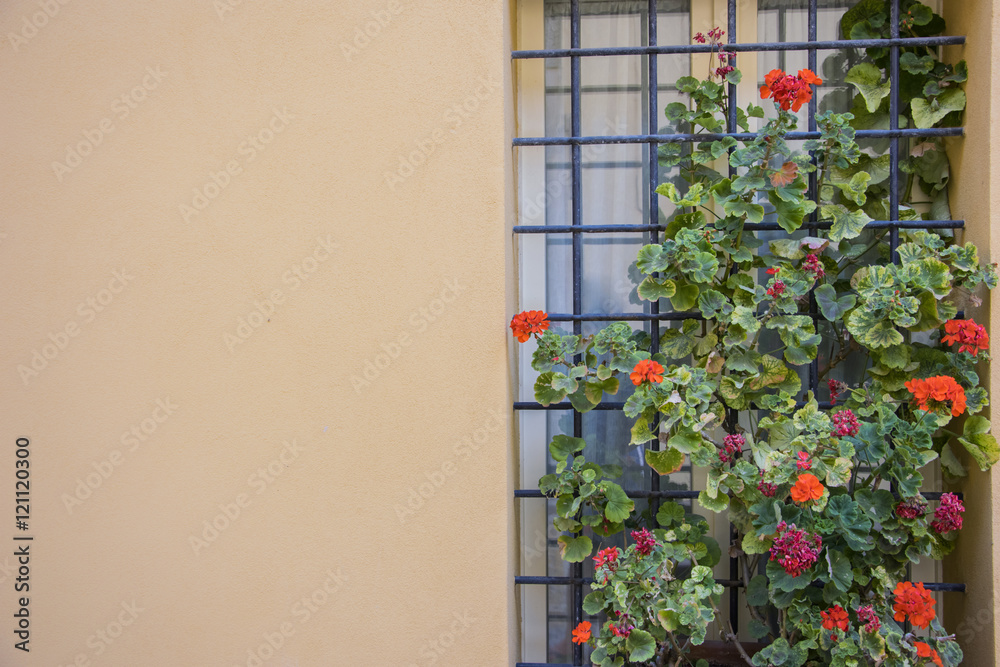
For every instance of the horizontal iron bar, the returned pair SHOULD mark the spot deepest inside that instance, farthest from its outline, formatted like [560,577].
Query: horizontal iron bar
[665,493]
[748,47]
[766,226]
[743,136]
[728,583]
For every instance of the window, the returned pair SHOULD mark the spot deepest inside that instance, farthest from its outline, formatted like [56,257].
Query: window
[594,78]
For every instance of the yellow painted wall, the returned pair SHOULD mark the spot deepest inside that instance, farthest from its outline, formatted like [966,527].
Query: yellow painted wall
[975,191]
[266,287]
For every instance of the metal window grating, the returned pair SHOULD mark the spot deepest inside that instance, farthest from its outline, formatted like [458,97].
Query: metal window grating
[576,140]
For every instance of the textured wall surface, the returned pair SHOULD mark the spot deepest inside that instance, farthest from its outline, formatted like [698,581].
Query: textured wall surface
[255,261]
[975,192]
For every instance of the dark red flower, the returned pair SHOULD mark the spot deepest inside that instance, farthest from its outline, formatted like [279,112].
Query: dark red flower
[948,515]
[911,508]
[845,423]
[644,541]
[794,549]
[777,289]
[733,445]
[867,615]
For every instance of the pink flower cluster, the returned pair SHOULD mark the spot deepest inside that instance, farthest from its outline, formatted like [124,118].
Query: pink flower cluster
[644,541]
[795,550]
[867,615]
[804,462]
[911,508]
[812,265]
[948,515]
[732,445]
[836,389]
[845,423]
[623,628]
[767,488]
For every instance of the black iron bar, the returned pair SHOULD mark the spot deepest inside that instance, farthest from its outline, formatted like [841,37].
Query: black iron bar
[761,226]
[742,48]
[742,136]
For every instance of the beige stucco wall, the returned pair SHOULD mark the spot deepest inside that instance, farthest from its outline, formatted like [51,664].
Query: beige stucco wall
[975,191]
[160,404]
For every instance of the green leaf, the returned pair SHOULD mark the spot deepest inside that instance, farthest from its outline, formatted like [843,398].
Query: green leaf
[685,297]
[641,646]
[979,443]
[951,463]
[563,445]
[652,289]
[757,591]
[678,343]
[846,224]
[832,307]
[755,544]
[790,214]
[641,433]
[666,461]
[575,549]
[685,442]
[670,513]
[545,393]
[927,114]
[717,504]
[914,64]
[853,526]
[653,258]
[619,505]
[593,604]
[839,570]
[867,78]
[737,208]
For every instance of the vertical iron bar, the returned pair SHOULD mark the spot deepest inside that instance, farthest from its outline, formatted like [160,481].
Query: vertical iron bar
[894,125]
[577,130]
[813,193]
[654,214]
[734,566]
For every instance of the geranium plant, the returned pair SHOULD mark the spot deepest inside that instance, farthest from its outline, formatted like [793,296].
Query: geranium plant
[825,497]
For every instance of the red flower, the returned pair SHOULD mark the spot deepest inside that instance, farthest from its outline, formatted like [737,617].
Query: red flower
[836,389]
[835,617]
[939,388]
[971,337]
[733,445]
[773,270]
[867,615]
[925,651]
[845,423]
[804,463]
[529,322]
[608,557]
[948,515]
[807,487]
[812,265]
[581,633]
[912,508]
[644,541]
[777,289]
[647,369]
[767,488]
[789,92]
[915,601]
[794,549]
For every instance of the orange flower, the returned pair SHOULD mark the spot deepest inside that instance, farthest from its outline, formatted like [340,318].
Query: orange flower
[925,651]
[647,369]
[807,488]
[529,322]
[790,92]
[582,633]
[915,601]
[971,337]
[939,388]
[835,617]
